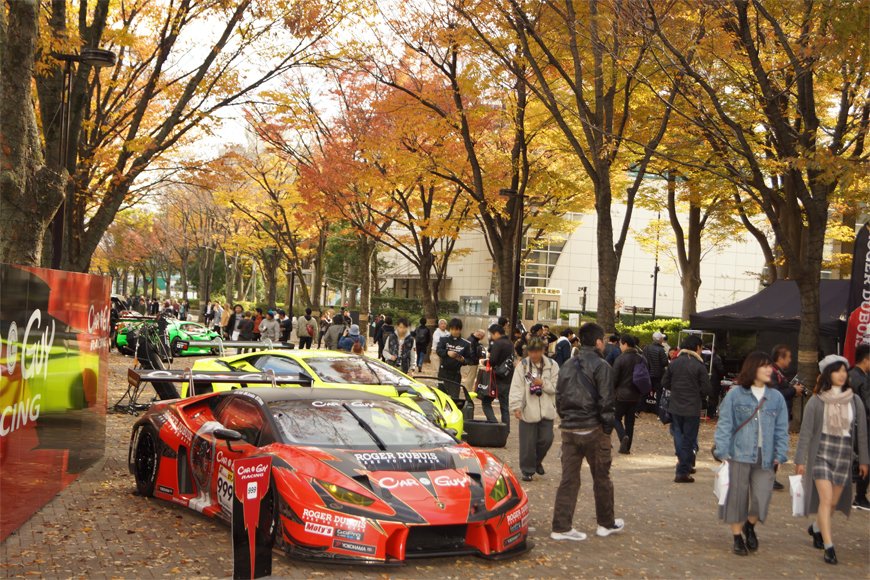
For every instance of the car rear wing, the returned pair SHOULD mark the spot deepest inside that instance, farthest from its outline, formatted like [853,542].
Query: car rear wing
[136,377]
[224,344]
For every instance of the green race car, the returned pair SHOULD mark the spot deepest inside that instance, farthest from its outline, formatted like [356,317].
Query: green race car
[332,369]
[176,330]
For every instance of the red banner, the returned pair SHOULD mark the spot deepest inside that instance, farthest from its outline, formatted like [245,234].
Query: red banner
[54,345]
[252,521]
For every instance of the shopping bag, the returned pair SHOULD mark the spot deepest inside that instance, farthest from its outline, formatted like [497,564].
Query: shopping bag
[796,487]
[721,482]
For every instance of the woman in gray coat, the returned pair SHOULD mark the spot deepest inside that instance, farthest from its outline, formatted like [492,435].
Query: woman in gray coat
[832,428]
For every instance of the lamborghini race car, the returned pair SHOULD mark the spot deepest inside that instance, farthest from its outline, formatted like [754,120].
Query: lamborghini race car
[356,478]
[341,370]
[176,331]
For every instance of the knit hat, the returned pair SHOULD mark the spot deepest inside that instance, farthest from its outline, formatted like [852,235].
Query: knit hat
[354,330]
[831,359]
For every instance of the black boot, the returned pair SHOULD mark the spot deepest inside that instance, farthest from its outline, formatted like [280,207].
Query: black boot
[818,543]
[830,556]
[751,538]
[625,445]
[740,546]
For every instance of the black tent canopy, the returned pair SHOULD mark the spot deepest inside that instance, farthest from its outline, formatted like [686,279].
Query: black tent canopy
[778,308]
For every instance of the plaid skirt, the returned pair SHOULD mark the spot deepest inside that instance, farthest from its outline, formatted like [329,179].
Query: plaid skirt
[834,461]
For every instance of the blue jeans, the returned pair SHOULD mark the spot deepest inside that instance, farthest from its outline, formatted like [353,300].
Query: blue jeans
[685,431]
[421,356]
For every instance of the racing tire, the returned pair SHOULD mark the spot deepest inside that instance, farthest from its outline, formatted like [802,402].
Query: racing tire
[173,347]
[146,460]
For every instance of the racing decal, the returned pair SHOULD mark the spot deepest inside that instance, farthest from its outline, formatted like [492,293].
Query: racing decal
[345,534]
[251,395]
[321,530]
[518,519]
[404,460]
[166,490]
[178,428]
[511,539]
[438,481]
[333,520]
[360,404]
[354,547]
[225,489]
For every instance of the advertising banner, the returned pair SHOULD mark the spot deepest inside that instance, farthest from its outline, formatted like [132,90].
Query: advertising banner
[858,310]
[252,517]
[54,346]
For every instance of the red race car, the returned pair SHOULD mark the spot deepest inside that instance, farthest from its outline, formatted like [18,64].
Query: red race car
[356,477]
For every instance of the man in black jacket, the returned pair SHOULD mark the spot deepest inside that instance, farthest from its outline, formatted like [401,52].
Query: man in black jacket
[500,351]
[385,331]
[657,358]
[423,340]
[454,352]
[688,381]
[585,403]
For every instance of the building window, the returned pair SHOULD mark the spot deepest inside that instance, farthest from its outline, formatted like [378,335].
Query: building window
[548,310]
[539,263]
[529,309]
[471,305]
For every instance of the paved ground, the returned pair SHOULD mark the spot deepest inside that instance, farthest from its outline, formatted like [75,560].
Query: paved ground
[98,527]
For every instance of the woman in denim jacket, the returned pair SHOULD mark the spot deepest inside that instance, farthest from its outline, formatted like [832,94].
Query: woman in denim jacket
[752,435]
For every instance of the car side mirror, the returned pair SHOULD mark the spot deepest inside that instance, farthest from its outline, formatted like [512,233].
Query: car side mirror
[227,435]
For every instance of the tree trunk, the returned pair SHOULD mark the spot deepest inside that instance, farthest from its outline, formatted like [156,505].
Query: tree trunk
[183,275]
[135,283]
[318,270]
[154,283]
[429,291]
[30,191]
[608,261]
[124,281]
[368,253]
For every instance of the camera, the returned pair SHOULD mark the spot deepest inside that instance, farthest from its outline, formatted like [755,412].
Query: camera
[533,388]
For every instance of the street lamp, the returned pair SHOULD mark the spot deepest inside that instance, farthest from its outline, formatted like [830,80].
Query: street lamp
[518,234]
[94,57]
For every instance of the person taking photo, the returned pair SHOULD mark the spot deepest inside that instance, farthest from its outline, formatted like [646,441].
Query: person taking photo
[533,403]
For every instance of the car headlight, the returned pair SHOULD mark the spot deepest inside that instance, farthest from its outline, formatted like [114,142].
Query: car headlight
[345,495]
[499,490]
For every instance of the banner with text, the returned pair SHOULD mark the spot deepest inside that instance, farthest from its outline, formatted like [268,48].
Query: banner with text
[54,345]
[253,517]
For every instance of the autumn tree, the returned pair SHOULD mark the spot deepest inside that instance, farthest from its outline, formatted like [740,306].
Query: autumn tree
[586,63]
[31,187]
[173,75]
[780,91]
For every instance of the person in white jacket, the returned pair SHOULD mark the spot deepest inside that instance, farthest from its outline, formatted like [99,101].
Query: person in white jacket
[533,402]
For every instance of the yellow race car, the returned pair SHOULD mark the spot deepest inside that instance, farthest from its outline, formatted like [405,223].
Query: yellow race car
[331,369]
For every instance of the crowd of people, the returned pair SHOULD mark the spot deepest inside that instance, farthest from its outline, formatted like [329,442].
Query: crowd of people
[595,383]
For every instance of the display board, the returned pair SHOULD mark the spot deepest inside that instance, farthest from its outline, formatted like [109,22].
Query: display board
[54,345]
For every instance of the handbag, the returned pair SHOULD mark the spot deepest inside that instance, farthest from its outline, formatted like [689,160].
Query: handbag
[505,369]
[486,385]
[664,404]
[742,425]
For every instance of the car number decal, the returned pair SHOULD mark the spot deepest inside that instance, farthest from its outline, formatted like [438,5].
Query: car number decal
[225,489]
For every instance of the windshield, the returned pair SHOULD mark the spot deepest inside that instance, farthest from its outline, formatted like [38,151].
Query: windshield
[332,423]
[193,328]
[355,370]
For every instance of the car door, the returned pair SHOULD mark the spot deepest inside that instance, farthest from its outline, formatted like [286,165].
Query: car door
[238,413]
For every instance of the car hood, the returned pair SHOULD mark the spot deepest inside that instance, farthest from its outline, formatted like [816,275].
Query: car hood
[442,485]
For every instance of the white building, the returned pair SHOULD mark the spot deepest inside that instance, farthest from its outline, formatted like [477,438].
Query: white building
[729,272]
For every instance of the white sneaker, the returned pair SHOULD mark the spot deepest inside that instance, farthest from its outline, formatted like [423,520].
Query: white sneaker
[618,526]
[572,534]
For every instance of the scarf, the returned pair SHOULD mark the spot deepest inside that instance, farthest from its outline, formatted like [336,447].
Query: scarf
[836,410]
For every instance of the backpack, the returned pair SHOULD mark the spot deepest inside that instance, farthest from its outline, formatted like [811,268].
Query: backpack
[640,377]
